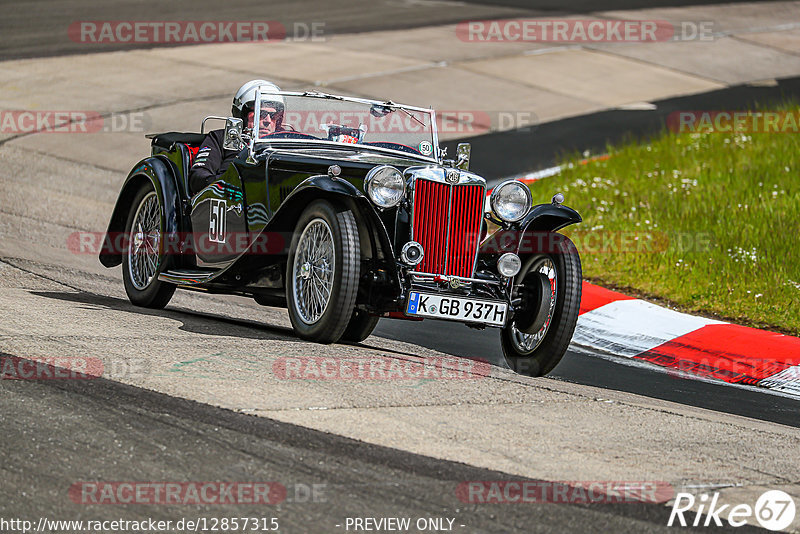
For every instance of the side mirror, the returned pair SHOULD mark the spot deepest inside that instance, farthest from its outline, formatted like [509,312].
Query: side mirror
[233,134]
[462,156]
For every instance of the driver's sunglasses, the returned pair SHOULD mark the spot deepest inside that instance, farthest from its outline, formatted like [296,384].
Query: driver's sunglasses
[272,114]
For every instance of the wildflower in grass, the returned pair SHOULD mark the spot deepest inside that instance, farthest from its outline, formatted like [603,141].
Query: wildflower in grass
[744,256]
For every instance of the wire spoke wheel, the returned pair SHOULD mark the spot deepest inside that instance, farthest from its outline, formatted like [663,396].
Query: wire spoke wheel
[549,286]
[322,272]
[528,343]
[144,258]
[314,264]
[144,242]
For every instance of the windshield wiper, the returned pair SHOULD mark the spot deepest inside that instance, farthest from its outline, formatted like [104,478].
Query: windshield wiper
[404,110]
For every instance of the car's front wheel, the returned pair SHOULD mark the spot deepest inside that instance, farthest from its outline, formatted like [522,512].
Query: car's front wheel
[550,288]
[322,272]
[144,258]
[360,326]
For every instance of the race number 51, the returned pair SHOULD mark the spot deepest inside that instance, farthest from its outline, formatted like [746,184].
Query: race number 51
[216,221]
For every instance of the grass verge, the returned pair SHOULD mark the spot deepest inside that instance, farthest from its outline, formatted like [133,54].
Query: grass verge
[709,222]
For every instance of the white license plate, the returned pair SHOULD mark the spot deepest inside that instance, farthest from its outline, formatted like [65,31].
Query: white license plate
[457,308]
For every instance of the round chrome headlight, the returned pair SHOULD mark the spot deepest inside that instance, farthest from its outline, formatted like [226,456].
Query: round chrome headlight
[511,201]
[385,186]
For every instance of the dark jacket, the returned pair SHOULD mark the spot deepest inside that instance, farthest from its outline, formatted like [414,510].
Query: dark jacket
[210,162]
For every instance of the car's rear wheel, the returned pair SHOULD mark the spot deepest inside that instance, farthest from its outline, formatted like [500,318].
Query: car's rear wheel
[322,272]
[144,258]
[550,286]
[360,326]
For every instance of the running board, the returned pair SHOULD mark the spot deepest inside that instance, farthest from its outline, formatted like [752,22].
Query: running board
[188,277]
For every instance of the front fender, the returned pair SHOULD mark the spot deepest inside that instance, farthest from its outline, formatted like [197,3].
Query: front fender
[336,189]
[537,235]
[549,218]
[534,234]
[310,189]
[343,192]
[162,174]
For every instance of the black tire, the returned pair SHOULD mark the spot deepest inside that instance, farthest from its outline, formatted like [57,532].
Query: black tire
[331,323]
[546,354]
[151,293]
[360,326]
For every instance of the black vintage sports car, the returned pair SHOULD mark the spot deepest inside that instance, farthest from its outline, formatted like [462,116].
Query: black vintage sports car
[348,213]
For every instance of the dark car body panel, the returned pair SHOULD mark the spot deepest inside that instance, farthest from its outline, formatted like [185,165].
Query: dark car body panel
[163,173]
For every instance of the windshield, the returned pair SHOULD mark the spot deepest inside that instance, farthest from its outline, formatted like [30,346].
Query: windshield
[344,120]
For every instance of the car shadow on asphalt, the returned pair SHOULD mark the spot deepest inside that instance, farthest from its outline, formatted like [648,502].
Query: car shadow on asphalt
[200,322]
[191,320]
[354,475]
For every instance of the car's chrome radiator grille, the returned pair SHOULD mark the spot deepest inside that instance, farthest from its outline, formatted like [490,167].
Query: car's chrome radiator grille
[450,245]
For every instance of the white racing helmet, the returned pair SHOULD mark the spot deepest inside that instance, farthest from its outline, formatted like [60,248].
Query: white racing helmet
[245,97]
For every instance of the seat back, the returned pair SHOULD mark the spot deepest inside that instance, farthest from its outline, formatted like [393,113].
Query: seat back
[186,144]
[192,153]
[188,154]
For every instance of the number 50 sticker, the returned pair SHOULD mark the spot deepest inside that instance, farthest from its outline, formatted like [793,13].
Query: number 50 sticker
[216,221]
[775,510]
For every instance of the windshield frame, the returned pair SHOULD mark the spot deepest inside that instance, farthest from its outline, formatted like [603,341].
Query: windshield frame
[436,157]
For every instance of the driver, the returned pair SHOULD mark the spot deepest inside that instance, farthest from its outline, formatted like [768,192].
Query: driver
[212,160]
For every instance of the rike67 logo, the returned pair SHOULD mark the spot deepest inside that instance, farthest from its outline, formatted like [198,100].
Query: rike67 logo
[774,510]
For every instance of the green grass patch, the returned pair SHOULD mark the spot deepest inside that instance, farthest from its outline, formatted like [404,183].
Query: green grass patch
[708,222]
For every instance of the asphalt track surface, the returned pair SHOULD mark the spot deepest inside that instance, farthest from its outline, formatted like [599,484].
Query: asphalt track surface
[618,374]
[35,28]
[141,435]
